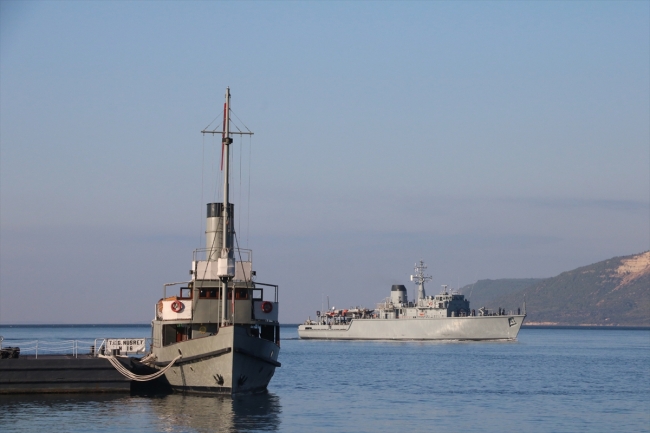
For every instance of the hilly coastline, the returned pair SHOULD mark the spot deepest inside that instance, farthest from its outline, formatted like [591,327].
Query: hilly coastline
[614,292]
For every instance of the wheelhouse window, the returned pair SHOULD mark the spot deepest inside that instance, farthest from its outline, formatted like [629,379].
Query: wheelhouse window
[210,293]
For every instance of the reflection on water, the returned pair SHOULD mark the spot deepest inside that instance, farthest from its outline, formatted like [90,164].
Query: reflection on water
[119,412]
[259,412]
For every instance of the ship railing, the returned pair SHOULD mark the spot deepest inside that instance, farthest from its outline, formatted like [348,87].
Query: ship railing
[260,296]
[170,285]
[61,347]
[96,349]
[385,304]
[45,347]
[498,312]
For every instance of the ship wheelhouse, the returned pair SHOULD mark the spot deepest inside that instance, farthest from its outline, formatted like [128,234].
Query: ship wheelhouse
[199,310]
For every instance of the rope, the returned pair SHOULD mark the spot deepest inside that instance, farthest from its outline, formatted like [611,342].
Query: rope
[129,375]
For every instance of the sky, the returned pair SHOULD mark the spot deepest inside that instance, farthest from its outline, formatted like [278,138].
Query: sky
[488,139]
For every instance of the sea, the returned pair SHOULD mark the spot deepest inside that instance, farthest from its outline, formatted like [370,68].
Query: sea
[549,380]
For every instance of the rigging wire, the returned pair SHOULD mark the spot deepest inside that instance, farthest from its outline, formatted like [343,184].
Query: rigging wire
[248,201]
[206,128]
[218,182]
[250,279]
[241,151]
[213,193]
[202,187]
[240,121]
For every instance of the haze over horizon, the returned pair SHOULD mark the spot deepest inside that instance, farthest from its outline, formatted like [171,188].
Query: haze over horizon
[489,139]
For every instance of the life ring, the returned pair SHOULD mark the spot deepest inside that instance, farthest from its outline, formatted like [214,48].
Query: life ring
[177,306]
[430,303]
[267,307]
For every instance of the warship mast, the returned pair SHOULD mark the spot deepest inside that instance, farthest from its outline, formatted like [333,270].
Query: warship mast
[419,278]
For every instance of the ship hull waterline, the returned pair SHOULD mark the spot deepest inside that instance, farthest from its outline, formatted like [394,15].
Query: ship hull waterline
[444,328]
[230,362]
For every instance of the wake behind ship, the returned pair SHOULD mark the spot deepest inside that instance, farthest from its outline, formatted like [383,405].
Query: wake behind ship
[220,333]
[446,316]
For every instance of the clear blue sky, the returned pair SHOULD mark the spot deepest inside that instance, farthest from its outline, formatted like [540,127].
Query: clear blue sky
[490,139]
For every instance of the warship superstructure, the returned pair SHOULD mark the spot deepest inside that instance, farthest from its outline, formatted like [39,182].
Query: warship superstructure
[446,316]
[220,331]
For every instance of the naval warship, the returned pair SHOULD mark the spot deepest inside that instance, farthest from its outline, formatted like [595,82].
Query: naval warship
[219,334]
[446,316]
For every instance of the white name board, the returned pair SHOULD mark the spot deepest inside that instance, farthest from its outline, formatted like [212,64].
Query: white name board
[126,345]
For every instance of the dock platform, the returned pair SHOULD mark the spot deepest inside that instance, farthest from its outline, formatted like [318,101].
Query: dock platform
[29,374]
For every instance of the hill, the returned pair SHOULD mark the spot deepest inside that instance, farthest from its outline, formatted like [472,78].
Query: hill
[611,292]
[483,293]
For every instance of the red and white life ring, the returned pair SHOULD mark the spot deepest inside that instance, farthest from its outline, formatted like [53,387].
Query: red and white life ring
[177,306]
[267,307]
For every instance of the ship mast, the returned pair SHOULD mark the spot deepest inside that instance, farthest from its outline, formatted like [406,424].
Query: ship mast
[226,226]
[226,260]
[419,278]
[225,150]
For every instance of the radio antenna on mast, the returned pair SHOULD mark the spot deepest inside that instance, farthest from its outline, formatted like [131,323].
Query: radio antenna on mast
[419,278]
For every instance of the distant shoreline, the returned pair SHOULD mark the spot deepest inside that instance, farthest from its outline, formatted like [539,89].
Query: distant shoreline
[584,326]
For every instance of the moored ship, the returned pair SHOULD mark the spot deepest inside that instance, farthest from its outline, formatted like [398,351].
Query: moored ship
[220,333]
[446,316]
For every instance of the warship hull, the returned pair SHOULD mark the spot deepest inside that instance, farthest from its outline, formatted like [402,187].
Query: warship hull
[442,328]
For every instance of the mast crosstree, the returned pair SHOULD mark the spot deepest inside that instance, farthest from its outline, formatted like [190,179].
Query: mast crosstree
[419,278]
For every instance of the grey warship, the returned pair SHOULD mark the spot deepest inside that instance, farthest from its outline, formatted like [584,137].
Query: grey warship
[219,334]
[446,316]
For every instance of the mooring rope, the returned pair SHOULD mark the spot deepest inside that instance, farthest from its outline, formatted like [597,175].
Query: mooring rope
[129,375]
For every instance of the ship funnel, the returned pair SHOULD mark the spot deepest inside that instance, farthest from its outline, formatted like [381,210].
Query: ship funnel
[398,294]
[214,230]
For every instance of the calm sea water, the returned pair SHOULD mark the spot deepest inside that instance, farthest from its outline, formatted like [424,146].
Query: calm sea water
[550,380]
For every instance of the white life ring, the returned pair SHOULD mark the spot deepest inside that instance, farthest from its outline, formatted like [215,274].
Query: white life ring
[177,306]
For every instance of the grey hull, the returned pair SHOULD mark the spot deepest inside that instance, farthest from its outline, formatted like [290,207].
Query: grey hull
[229,362]
[443,328]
